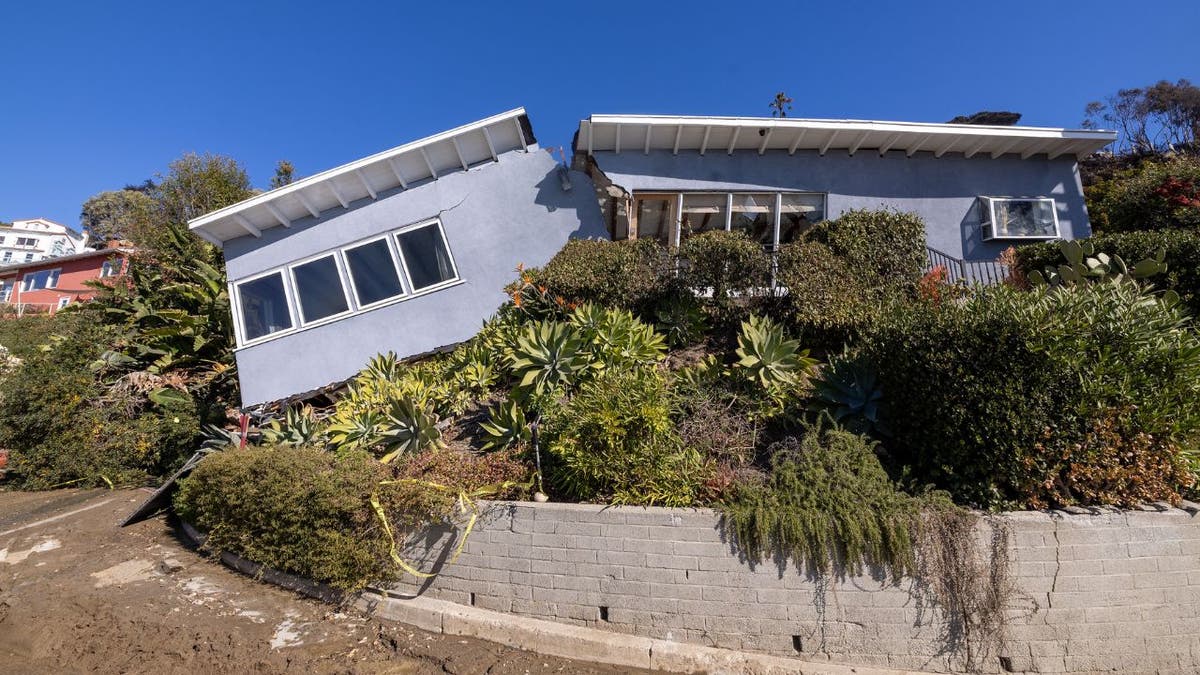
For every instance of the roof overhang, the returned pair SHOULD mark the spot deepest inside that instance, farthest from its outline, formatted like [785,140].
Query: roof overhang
[401,167]
[644,133]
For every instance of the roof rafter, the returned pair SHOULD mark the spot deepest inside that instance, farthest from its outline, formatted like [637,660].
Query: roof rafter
[278,213]
[316,213]
[247,225]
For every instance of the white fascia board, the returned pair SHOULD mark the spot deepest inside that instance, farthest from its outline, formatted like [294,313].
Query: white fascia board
[511,116]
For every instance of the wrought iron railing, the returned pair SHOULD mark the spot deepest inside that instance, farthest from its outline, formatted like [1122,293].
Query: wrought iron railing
[985,272]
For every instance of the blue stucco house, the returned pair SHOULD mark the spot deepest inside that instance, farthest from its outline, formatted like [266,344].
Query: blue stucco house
[980,189]
[408,250]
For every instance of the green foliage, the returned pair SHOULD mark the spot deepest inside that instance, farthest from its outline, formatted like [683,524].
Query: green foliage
[1182,257]
[499,475]
[197,184]
[616,339]
[615,441]
[828,506]
[1156,194]
[63,425]
[633,275]
[999,391]
[119,214]
[547,357]
[884,247]
[681,321]
[729,265]
[298,510]
[848,390]
[1082,267]
[299,427]
[827,303]
[768,357]
[408,428]
[506,426]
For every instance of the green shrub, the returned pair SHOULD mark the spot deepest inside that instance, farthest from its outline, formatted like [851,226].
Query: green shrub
[616,441]
[64,425]
[828,505]
[633,275]
[884,248]
[1182,249]
[730,265]
[994,398]
[827,303]
[298,510]
[1152,195]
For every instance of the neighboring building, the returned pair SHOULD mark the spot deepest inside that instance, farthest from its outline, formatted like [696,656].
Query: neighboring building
[980,189]
[37,239]
[407,250]
[46,286]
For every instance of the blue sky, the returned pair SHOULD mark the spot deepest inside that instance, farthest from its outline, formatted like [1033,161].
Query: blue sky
[98,95]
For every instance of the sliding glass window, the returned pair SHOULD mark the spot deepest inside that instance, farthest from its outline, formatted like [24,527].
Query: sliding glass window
[703,213]
[319,290]
[797,213]
[754,214]
[426,256]
[373,272]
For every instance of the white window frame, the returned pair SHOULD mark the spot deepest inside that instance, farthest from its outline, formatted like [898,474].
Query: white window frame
[401,273]
[289,289]
[449,254]
[677,235]
[6,289]
[337,264]
[64,301]
[987,222]
[52,276]
[109,269]
[8,256]
[239,317]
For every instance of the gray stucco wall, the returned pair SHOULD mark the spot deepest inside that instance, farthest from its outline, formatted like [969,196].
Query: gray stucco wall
[495,216]
[943,190]
[1106,591]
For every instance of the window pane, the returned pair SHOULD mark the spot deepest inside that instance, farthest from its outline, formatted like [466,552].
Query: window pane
[754,214]
[1024,218]
[702,213]
[654,219]
[373,272]
[319,289]
[264,306]
[426,256]
[798,213]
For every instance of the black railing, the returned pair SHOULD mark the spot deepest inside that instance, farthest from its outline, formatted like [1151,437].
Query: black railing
[985,272]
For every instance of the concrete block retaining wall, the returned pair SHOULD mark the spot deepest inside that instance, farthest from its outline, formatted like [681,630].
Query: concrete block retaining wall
[1103,591]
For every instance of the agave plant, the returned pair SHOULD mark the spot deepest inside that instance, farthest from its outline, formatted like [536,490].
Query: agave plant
[768,357]
[548,355]
[216,437]
[681,322]
[848,390]
[298,427]
[506,425]
[408,428]
[357,429]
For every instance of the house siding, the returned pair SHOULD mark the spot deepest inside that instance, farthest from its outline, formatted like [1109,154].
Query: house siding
[495,216]
[72,275]
[943,191]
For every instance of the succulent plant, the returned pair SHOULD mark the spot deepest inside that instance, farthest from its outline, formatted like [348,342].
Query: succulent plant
[547,355]
[409,428]
[298,427]
[768,357]
[1084,265]
[848,389]
[506,425]
[360,429]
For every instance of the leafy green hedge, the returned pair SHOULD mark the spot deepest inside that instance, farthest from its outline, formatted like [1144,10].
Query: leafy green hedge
[633,275]
[1182,248]
[1014,398]
[1155,194]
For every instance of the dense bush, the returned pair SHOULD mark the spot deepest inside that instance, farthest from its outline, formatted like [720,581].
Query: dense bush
[1156,194]
[1004,399]
[633,275]
[297,510]
[616,441]
[66,426]
[827,504]
[884,248]
[826,301]
[1182,249]
[730,265]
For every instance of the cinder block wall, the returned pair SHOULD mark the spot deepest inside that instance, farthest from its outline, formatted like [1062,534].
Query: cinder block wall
[1111,590]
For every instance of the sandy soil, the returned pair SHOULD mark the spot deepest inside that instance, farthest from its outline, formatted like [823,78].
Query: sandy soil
[79,594]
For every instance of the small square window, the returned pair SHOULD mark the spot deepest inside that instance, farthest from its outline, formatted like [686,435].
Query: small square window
[373,272]
[264,306]
[426,256]
[1006,218]
[109,268]
[64,301]
[319,289]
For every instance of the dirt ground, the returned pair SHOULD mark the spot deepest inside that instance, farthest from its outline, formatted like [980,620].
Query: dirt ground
[79,594]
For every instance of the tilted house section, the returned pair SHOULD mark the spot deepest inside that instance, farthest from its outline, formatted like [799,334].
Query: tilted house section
[979,189]
[407,250]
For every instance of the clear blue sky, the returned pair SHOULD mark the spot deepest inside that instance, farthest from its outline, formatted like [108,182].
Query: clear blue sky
[97,95]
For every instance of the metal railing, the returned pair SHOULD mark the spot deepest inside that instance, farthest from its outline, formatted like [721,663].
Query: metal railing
[987,272]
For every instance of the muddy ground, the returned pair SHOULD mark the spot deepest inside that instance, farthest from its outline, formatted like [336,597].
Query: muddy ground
[79,594]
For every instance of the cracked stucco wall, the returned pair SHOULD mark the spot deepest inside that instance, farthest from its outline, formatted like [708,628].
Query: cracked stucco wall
[1096,591]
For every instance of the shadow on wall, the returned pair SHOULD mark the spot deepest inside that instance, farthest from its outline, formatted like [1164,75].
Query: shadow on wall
[581,198]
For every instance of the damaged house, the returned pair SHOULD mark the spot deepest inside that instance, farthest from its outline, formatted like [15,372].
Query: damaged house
[407,250]
[979,189]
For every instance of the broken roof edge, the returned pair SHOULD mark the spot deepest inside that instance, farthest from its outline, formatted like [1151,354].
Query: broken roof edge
[266,198]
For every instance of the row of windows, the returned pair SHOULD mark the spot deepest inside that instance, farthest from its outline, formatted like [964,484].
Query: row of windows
[358,277]
[8,257]
[771,218]
[36,281]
